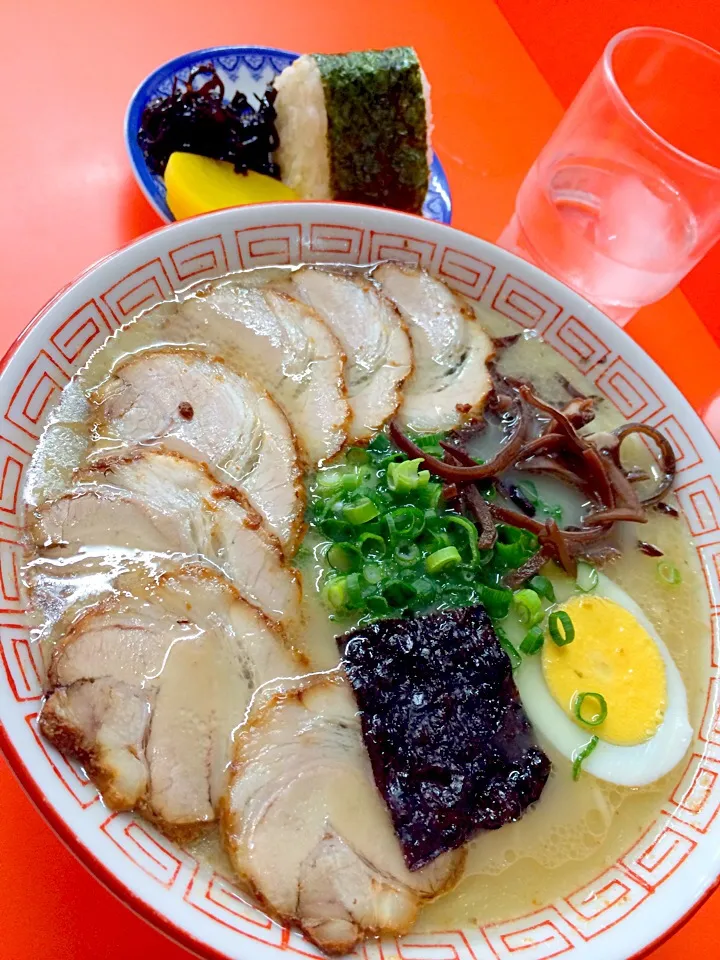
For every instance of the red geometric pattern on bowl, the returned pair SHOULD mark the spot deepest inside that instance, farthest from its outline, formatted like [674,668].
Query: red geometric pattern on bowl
[148,851]
[685,450]
[200,258]
[13,460]
[82,333]
[72,777]
[329,243]
[710,728]
[32,396]
[268,246]
[204,910]
[604,902]
[629,391]
[448,945]
[22,662]
[138,290]
[468,275]
[213,896]
[700,502]
[522,303]
[539,936]
[655,861]
[709,554]
[399,246]
[696,799]
[577,343]
[11,598]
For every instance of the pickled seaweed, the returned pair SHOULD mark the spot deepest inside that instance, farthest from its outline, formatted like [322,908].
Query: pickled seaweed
[451,748]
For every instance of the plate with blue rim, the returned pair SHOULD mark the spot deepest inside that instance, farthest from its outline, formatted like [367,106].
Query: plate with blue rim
[248,70]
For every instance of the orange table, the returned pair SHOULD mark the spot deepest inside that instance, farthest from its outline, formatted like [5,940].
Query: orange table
[501,74]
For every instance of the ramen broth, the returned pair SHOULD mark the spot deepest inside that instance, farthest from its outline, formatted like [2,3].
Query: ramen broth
[577,828]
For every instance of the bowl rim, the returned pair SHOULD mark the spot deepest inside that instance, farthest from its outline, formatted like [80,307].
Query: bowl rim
[139,97]
[163,921]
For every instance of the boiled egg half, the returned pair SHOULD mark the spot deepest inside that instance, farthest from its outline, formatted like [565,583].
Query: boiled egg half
[615,681]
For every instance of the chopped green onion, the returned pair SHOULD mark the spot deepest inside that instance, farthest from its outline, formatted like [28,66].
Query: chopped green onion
[456,596]
[669,573]
[567,633]
[403,476]
[406,552]
[396,547]
[354,478]
[509,534]
[380,444]
[542,586]
[470,533]
[353,587]
[529,607]
[442,559]
[377,605]
[356,455]
[601,713]
[371,545]
[373,572]
[406,522]
[582,754]
[336,529]
[361,511]
[587,577]
[533,640]
[329,481]
[344,557]
[397,592]
[511,555]
[430,443]
[431,493]
[335,593]
[513,655]
[528,489]
[436,541]
[496,600]
[424,589]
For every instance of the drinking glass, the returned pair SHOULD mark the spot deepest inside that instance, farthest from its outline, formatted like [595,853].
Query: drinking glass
[624,199]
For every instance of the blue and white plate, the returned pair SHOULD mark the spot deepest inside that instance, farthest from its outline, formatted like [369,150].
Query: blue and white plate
[248,70]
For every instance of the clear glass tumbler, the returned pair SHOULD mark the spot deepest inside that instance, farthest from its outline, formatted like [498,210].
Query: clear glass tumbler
[625,197]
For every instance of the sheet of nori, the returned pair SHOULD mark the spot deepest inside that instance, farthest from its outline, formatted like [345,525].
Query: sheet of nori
[451,748]
[377,127]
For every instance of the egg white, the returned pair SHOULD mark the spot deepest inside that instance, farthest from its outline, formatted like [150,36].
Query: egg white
[633,766]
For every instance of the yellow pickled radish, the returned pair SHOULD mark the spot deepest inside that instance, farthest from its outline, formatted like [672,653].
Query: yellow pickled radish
[197,184]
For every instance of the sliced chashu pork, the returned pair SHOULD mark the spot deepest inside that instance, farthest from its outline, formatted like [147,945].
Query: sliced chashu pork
[199,406]
[450,380]
[147,687]
[307,830]
[164,502]
[372,334]
[281,342]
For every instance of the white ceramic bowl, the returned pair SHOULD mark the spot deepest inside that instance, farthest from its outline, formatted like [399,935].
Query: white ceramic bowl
[617,914]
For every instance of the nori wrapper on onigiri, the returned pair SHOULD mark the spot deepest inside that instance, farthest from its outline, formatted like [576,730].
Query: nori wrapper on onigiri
[355,126]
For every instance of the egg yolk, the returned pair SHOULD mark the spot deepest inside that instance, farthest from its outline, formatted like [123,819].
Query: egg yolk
[614,656]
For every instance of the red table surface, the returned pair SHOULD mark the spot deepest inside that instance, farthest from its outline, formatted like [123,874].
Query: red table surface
[501,75]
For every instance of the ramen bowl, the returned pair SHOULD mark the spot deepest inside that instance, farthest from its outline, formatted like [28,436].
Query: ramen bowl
[617,913]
